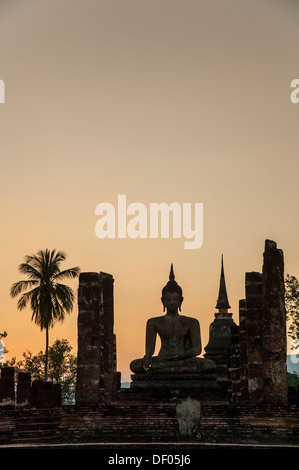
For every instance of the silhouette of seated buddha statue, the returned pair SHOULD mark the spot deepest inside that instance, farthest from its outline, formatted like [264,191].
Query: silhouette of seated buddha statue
[180,342]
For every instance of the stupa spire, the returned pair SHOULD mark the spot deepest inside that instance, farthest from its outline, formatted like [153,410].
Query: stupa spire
[171,274]
[222,302]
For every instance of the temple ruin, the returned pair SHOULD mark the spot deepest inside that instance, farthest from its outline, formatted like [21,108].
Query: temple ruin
[251,402]
[259,371]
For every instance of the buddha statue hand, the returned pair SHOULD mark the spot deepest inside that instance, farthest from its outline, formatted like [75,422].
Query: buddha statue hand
[174,357]
[147,363]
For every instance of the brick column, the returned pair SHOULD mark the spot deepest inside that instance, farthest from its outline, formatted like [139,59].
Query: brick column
[234,370]
[89,332]
[243,351]
[96,366]
[274,331]
[23,388]
[110,380]
[7,384]
[45,394]
[254,329]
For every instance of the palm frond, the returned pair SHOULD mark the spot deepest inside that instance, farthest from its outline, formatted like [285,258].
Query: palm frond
[28,296]
[20,286]
[52,260]
[71,273]
[58,256]
[30,270]
[65,296]
[58,313]
[34,261]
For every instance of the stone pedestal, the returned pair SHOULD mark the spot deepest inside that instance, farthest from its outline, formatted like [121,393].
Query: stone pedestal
[199,385]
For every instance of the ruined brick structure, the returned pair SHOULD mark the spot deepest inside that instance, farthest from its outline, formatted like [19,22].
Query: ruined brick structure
[7,384]
[256,410]
[24,388]
[97,379]
[25,393]
[234,369]
[274,335]
[242,389]
[45,394]
[256,360]
[258,367]
[254,336]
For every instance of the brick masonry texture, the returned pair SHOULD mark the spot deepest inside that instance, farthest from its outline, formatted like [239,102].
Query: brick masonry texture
[242,423]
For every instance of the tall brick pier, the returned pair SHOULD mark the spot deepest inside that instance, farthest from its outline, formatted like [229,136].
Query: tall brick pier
[261,363]
[97,378]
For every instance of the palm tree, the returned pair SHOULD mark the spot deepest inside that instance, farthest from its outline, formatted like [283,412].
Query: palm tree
[49,299]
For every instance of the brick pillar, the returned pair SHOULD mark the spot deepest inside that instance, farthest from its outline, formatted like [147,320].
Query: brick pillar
[235,391]
[7,384]
[96,366]
[45,394]
[243,351]
[23,388]
[274,328]
[110,381]
[89,339]
[254,329]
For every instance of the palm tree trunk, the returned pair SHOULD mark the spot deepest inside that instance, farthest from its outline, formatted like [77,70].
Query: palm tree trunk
[47,353]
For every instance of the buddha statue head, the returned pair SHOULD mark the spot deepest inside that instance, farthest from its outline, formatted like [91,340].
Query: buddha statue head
[172,292]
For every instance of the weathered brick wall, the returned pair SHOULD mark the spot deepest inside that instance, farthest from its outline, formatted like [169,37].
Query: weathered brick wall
[225,423]
[119,423]
[252,423]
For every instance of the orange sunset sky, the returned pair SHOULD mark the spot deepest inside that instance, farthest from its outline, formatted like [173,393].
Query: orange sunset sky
[163,101]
